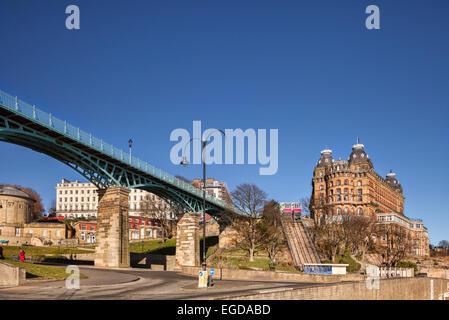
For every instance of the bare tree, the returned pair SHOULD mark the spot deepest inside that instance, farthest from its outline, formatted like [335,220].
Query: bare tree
[157,209]
[444,244]
[250,200]
[357,233]
[305,206]
[271,230]
[52,209]
[398,243]
[328,235]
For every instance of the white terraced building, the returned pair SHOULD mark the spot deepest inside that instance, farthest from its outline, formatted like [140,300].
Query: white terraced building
[80,200]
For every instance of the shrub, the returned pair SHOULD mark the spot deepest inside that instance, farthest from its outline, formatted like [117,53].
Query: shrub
[408,264]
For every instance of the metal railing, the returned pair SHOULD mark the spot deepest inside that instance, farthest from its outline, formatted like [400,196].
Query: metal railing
[75,133]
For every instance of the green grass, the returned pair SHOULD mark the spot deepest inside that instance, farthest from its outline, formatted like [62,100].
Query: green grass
[38,271]
[32,251]
[346,259]
[154,247]
[169,247]
[262,263]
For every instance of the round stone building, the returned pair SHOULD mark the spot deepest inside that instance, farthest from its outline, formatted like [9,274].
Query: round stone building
[17,226]
[16,207]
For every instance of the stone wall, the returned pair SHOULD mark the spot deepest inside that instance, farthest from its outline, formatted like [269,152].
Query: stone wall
[112,236]
[212,228]
[279,276]
[435,272]
[11,275]
[153,261]
[389,289]
[228,238]
[188,241]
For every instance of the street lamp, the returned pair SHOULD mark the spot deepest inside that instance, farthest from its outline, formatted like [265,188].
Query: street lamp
[130,142]
[185,162]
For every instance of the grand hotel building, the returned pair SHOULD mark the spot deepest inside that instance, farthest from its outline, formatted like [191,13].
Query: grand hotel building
[353,187]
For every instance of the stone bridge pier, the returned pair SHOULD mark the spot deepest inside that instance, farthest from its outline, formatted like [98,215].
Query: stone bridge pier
[112,236]
[188,240]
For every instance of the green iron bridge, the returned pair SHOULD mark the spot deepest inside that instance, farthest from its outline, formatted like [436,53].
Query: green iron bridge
[102,164]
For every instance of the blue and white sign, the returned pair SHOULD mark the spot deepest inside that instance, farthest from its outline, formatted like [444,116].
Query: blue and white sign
[201,273]
[211,272]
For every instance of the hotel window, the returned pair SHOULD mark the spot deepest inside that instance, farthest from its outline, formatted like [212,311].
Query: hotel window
[30,231]
[338,182]
[83,236]
[338,198]
[359,183]
[338,210]
[321,187]
[58,233]
[44,233]
[360,211]
[346,182]
[346,210]
[17,232]
[338,191]
[83,227]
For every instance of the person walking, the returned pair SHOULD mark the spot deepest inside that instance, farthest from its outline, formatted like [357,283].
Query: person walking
[22,255]
[1,253]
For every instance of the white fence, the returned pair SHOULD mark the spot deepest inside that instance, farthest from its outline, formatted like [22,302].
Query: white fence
[396,272]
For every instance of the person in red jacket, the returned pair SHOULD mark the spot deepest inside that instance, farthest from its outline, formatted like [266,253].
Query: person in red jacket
[22,255]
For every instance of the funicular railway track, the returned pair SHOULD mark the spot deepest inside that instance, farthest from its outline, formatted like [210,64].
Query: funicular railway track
[299,243]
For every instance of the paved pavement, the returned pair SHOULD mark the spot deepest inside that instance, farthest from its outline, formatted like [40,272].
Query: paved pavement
[135,284]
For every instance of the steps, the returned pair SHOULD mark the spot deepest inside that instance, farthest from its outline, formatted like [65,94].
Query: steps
[299,242]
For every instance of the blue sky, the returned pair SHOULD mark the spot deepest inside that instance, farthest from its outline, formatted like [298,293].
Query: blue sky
[311,69]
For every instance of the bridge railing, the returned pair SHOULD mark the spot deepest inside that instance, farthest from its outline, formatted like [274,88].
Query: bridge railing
[48,120]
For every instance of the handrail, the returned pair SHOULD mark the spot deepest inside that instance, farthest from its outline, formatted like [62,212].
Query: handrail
[30,112]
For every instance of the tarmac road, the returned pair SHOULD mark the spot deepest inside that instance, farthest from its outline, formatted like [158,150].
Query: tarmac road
[135,284]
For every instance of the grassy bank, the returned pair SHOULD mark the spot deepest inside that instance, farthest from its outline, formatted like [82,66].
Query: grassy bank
[38,271]
[32,251]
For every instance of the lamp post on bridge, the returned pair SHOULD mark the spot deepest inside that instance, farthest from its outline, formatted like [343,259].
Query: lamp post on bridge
[130,142]
[185,162]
